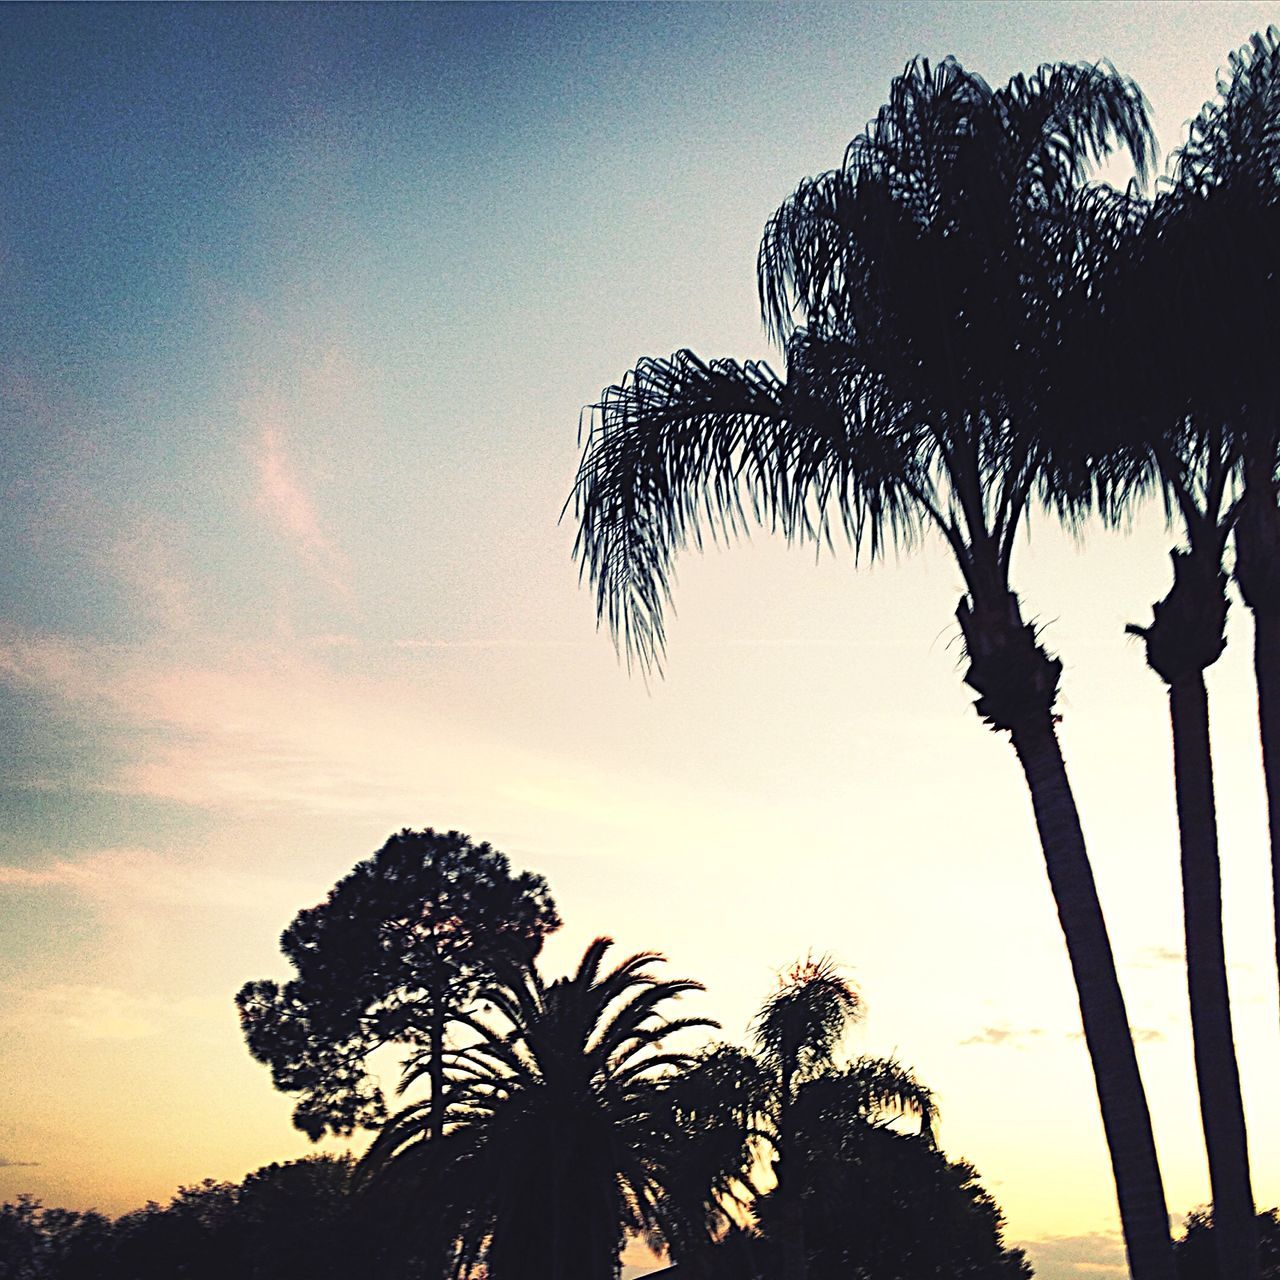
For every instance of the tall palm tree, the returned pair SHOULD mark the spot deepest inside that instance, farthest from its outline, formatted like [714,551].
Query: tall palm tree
[555,1148]
[1162,430]
[932,273]
[1227,187]
[1186,636]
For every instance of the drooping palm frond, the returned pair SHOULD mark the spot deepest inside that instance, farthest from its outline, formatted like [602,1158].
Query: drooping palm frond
[921,289]
[677,444]
[1064,118]
[868,1090]
[1236,137]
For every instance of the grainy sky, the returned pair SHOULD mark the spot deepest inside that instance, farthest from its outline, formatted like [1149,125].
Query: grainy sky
[301,306]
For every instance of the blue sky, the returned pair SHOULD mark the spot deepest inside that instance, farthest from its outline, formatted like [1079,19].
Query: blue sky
[304,303]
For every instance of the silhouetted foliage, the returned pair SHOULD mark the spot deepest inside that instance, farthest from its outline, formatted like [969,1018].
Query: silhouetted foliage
[394,955]
[295,1221]
[1197,1257]
[553,1152]
[923,290]
[882,1205]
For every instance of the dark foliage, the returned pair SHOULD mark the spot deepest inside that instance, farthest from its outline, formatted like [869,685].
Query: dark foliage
[558,1144]
[1197,1256]
[882,1205]
[394,955]
[295,1221]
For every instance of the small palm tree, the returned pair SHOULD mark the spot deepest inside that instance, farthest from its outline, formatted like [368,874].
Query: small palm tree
[555,1148]
[934,274]
[798,1031]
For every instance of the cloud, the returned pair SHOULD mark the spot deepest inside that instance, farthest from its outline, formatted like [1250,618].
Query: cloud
[281,496]
[1095,1254]
[1015,1038]
[88,1012]
[134,877]
[1154,957]
[6,1163]
[1141,1035]
[303,387]
[254,730]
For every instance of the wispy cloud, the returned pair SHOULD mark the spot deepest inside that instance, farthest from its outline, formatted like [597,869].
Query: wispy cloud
[1096,1254]
[88,1012]
[6,1163]
[1016,1038]
[306,393]
[264,729]
[282,497]
[1141,1035]
[141,556]
[131,878]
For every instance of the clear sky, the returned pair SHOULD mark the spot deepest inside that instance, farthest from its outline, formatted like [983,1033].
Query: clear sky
[301,306]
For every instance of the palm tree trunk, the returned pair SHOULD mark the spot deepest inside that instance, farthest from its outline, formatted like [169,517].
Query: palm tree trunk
[436,1033]
[1018,684]
[1187,635]
[1266,665]
[1217,1074]
[1257,574]
[1144,1217]
[794,1262]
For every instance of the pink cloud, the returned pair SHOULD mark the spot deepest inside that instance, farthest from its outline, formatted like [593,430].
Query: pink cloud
[313,400]
[127,878]
[288,506]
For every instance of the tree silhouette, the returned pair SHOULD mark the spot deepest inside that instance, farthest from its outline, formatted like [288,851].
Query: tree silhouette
[1164,433]
[1197,1253]
[883,1205]
[394,955]
[283,1222]
[554,1151]
[1227,187]
[934,273]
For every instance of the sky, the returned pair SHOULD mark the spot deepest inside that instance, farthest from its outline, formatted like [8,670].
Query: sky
[302,307]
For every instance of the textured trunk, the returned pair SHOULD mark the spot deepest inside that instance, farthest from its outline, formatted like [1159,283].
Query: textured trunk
[794,1263]
[437,1072]
[1257,574]
[1144,1217]
[1217,1074]
[1018,684]
[1266,662]
[1186,636]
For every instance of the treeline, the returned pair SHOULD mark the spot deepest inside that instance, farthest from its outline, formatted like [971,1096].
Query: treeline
[540,1124]
[300,1221]
[295,1221]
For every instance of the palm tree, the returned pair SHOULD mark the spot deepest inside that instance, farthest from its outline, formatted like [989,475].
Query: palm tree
[1163,431]
[1186,636]
[798,1030]
[555,1148]
[934,273]
[1227,187]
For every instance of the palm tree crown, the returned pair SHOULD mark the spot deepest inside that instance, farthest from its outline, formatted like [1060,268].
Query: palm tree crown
[555,1148]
